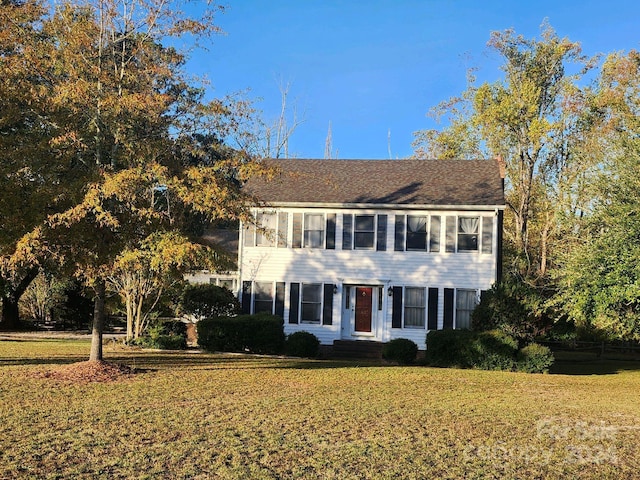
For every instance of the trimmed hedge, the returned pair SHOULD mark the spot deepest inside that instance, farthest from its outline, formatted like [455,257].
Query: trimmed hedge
[400,350]
[165,335]
[204,300]
[262,333]
[488,350]
[302,344]
[173,327]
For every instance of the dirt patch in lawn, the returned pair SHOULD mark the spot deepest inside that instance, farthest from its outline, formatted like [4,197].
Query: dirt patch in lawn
[86,372]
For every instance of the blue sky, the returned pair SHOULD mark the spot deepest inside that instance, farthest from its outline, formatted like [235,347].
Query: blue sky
[378,66]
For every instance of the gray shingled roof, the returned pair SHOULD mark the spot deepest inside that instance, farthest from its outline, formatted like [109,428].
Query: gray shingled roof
[382,182]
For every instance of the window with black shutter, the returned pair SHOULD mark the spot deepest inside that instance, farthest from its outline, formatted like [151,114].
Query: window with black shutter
[381,241]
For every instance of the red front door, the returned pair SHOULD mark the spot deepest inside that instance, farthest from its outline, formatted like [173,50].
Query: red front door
[364,302]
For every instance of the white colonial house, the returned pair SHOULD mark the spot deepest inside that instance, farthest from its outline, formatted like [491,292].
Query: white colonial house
[372,249]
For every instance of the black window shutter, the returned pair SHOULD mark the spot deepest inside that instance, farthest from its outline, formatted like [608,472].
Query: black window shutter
[396,316]
[487,234]
[297,231]
[434,235]
[399,236]
[451,234]
[327,309]
[448,308]
[294,300]
[381,244]
[433,309]
[331,231]
[283,228]
[279,299]
[347,226]
[249,235]
[246,297]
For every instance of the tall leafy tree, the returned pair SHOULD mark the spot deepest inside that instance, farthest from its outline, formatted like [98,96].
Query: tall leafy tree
[601,274]
[144,148]
[530,119]
[30,179]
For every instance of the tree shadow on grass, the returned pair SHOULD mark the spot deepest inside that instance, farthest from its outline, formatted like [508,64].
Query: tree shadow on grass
[588,363]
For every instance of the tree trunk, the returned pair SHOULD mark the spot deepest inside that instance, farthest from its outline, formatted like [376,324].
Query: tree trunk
[129,318]
[10,313]
[98,323]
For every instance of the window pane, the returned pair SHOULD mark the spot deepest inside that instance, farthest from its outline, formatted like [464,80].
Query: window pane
[262,290]
[466,301]
[311,303]
[414,307]
[265,235]
[416,232]
[468,233]
[364,222]
[263,297]
[311,292]
[364,239]
[364,231]
[313,230]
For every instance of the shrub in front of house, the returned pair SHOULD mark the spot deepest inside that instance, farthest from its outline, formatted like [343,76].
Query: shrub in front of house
[206,301]
[449,348]
[165,335]
[493,350]
[490,350]
[400,350]
[535,358]
[518,309]
[262,333]
[302,344]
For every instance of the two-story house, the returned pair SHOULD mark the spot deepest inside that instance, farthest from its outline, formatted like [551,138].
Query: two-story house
[372,249]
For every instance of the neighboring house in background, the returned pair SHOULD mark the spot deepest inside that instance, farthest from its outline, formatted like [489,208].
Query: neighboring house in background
[372,249]
[226,241]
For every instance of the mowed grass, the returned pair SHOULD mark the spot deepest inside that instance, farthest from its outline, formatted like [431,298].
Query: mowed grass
[200,416]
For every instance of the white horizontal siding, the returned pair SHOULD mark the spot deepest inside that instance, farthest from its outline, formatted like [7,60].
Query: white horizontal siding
[461,270]
[468,270]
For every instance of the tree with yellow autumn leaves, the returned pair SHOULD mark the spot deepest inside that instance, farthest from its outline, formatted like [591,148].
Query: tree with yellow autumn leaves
[136,150]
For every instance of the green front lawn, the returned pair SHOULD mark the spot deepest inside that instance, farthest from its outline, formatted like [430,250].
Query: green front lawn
[199,416]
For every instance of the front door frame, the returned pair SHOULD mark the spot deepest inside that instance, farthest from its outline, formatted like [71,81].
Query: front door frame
[348,319]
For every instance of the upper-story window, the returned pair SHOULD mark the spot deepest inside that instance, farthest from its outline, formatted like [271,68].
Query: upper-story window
[469,234]
[313,230]
[270,230]
[364,232]
[417,232]
[266,233]
[468,229]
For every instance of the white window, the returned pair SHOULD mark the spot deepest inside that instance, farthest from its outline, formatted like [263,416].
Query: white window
[263,297]
[313,230]
[311,303]
[417,232]
[228,283]
[414,307]
[466,301]
[468,229]
[266,231]
[364,231]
